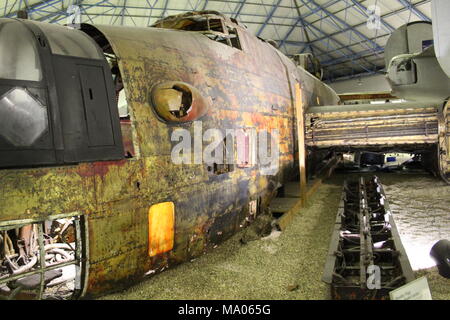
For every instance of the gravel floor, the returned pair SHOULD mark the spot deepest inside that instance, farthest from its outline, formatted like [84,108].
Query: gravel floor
[289,266]
[439,286]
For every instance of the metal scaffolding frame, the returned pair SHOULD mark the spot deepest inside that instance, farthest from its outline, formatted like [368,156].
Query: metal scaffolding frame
[335,29]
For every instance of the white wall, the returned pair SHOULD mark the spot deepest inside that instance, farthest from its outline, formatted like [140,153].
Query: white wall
[376,83]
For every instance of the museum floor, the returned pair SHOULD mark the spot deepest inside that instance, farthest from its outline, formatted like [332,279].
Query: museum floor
[289,265]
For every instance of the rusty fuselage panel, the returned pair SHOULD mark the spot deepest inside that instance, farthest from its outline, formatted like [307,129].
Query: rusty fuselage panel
[251,87]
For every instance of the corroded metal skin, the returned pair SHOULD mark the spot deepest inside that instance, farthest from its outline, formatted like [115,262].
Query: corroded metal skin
[252,87]
[367,125]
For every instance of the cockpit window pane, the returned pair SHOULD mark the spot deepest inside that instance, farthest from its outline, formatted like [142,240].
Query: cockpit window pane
[23,119]
[19,58]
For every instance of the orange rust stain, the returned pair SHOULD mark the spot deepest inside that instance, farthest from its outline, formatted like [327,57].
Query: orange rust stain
[100,168]
[260,121]
[85,170]
[161,222]
[232,115]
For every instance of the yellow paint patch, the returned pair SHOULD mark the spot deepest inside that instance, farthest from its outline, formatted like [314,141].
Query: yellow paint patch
[161,222]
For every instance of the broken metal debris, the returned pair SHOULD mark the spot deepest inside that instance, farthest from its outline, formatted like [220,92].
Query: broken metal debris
[293,287]
[212,24]
[24,275]
[366,258]
[258,227]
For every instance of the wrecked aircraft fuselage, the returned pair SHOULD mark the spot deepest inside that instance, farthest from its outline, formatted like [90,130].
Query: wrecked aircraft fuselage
[87,179]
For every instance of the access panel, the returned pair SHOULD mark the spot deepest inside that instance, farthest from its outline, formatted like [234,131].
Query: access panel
[96,106]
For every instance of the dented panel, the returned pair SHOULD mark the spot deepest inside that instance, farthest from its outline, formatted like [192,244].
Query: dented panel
[240,85]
